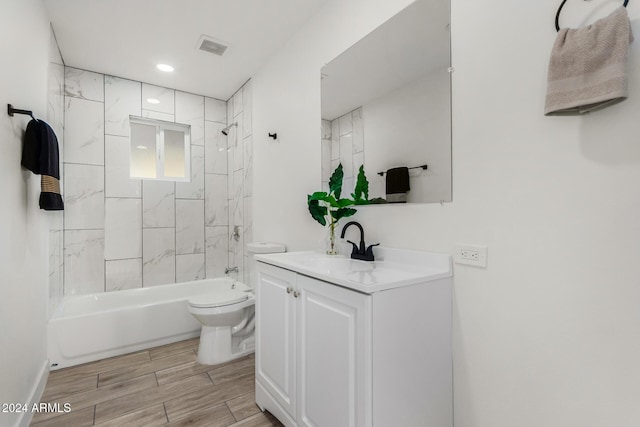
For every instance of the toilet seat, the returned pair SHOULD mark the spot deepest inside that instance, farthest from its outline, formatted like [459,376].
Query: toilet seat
[219,299]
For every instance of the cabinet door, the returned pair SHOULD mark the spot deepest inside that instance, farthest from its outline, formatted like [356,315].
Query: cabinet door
[334,368]
[275,334]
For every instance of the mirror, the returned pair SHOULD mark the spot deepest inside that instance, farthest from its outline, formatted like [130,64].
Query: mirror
[386,104]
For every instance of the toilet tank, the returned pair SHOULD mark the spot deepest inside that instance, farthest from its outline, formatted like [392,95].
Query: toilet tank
[260,248]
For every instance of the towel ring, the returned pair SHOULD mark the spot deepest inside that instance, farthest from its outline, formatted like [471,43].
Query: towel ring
[562,5]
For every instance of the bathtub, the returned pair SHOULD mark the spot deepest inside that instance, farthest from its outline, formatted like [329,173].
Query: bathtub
[85,328]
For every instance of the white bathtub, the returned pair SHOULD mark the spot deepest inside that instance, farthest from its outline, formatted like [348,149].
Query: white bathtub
[85,328]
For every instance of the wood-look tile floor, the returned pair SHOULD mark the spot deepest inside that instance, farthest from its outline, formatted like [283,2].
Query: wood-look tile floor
[162,386]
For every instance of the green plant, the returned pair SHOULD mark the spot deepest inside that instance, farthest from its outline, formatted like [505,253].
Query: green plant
[329,208]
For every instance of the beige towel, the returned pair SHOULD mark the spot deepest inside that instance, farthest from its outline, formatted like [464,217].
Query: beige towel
[588,66]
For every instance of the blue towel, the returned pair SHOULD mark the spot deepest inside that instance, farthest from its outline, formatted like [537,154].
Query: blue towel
[40,156]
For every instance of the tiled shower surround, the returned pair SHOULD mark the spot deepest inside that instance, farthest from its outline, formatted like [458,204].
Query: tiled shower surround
[55,118]
[123,233]
[343,142]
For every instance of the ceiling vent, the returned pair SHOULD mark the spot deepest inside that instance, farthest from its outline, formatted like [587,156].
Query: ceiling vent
[210,45]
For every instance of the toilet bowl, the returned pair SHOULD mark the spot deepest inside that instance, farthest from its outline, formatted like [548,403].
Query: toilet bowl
[228,317]
[227,321]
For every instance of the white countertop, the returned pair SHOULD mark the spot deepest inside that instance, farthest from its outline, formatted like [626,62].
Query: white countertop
[393,268]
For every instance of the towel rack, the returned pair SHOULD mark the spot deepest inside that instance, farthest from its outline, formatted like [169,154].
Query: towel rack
[11,111]
[423,167]
[562,5]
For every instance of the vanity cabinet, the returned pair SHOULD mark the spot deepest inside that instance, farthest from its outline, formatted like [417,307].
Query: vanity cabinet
[330,356]
[311,358]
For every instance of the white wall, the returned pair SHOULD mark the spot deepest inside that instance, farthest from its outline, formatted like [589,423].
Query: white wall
[24,232]
[549,333]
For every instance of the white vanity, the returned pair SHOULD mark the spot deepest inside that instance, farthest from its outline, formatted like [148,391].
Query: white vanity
[343,343]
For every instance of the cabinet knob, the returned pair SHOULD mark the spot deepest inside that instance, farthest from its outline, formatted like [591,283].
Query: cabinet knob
[296,294]
[289,290]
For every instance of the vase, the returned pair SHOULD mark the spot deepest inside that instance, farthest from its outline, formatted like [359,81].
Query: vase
[331,239]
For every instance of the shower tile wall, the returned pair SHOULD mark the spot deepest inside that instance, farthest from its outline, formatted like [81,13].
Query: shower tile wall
[343,142]
[122,233]
[240,160]
[55,118]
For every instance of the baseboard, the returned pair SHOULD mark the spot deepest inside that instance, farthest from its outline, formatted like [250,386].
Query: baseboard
[35,395]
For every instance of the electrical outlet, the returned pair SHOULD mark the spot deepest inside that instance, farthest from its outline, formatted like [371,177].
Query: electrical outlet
[475,255]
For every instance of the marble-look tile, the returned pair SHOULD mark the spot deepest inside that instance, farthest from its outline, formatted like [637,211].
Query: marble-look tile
[230,187]
[238,180]
[346,124]
[83,261]
[117,175]
[217,242]
[84,131]
[230,110]
[158,204]
[215,110]
[325,159]
[216,201]
[248,272]
[158,116]
[334,164]
[55,99]
[236,255]
[358,131]
[335,139]
[83,84]
[215,148]
[84,196]
[238,154]
[195,188]
[237,102]
[54,51]
[248,221]
[325,128]
[123,274]
[358,160]
[248,166]
[247,108]
[121,99]
[122,228]
[164,95]
[190,110]
[56,269]
[346,154]
[189,226]
[190,267]
[159,258]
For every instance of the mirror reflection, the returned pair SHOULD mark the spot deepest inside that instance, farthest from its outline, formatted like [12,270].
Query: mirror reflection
[386,104]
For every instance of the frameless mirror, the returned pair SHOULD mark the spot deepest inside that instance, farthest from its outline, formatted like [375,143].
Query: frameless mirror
[386,104]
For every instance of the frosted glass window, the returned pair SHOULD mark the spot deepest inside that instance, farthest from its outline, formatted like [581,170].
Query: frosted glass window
[160,150]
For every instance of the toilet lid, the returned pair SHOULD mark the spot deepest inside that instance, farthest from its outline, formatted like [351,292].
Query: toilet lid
[217,299]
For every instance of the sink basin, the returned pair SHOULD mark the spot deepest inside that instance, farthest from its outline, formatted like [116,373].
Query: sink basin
[393,268]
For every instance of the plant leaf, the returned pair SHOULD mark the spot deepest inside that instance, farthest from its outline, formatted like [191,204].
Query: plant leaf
[362,187]
[335,182]
[343,202]
[317,212]
[342,213]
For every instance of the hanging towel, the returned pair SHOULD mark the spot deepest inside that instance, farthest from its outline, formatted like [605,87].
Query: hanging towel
[397,185]
[588,66]
[40,156]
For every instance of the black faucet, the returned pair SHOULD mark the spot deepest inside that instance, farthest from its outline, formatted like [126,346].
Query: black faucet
[359,252]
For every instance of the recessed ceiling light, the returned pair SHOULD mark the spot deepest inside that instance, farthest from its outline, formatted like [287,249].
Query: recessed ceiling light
[153,101]
[141,147]
[164,67]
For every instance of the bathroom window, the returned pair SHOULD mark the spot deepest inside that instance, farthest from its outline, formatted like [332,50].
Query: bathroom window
[159,150]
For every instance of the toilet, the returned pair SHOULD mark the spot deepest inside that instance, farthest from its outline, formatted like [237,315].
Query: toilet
[228,316]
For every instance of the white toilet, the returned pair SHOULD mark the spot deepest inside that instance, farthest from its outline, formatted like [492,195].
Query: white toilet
[228,316]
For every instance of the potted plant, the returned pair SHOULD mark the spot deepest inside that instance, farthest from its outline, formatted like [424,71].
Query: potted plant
[329,208]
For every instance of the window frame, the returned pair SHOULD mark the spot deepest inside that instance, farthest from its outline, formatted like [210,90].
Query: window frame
[161,126]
